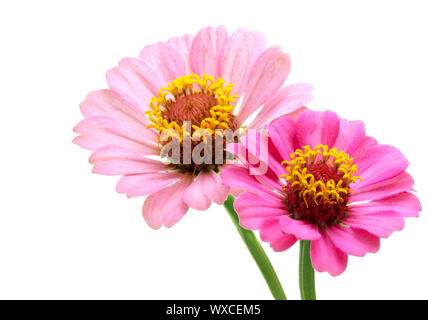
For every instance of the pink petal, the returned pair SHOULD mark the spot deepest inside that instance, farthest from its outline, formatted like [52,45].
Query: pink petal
[239,177]
[236,192]
[97,132]
[285,101]
[114,160]
[267,75]
[351,134]
[380,163]
[205,189]
[146,183]
[400,183]
[104,103]
[165,60]
[270,231]
[317,127]
[405,203]
[326,257]
[295,114]
[206,52]
[222,192]
[182,45]
[241,50]
[166,207]
[253,209]
[194,196]
[301,229]
[381,223]
[353,241]
[134,82]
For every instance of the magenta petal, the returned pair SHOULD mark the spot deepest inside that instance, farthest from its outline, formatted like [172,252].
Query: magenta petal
[317,127]
[253,209]
[381,223]
[386,188]
[353,241]
[146,183]
[166,207]
[206,52]
[282,134]
[256,153]
[350,136]
[267,75]
[301,229]
[270,231]
[366,144]
[380,163]
[405,204]
[114,160]
[326,257]
[238,177]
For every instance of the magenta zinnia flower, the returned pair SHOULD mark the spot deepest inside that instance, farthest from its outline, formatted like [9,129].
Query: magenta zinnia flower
[328,182]
[198,79]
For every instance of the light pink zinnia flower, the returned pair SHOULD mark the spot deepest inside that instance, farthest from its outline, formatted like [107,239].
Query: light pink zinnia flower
[336,186]
[183,79]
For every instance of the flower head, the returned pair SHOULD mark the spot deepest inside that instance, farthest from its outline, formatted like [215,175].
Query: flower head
[318,184]
[328,182]
[182,93]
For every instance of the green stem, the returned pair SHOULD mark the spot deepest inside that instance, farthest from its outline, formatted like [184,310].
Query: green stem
[257,252]
[306,272]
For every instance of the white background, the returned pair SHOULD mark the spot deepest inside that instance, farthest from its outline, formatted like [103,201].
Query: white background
[66,233]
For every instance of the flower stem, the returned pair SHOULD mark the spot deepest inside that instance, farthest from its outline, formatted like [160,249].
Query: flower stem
[306,272]
[257,252]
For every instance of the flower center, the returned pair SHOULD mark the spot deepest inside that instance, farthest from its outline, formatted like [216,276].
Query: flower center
[196,109]
[318,184]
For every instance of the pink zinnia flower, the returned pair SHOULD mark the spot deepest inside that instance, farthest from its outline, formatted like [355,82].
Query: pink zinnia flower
[184,79]
[328,182]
